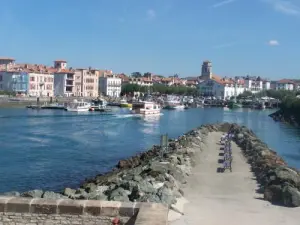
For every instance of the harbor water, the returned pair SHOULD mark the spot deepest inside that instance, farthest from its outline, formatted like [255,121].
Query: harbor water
[50,149]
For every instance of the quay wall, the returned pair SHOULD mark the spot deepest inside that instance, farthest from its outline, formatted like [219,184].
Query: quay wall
[27,211]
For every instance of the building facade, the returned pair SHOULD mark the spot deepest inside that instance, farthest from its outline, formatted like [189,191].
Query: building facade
[213,85]
[256,84]
[86,82]
[285,84]
[110,86]
[63,79]
[27,79]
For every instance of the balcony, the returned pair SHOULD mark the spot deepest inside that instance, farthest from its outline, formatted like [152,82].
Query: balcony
[69,83]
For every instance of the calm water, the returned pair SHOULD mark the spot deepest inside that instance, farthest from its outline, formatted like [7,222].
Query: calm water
[53,149]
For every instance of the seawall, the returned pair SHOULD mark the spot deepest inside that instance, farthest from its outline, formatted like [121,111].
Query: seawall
[28,211]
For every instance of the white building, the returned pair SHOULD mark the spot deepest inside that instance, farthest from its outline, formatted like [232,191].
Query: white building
[63,79]
[212,85]
[256,84]
[285,84]
[110,86]
[142,81]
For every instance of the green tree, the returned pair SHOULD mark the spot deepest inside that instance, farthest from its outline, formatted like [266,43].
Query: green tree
[148,74]
[136,74]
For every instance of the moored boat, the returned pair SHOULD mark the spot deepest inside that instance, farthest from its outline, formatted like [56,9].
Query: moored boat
[76,106]
[125,104]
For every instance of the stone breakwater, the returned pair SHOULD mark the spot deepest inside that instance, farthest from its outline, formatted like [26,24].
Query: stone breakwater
[279,183]
[153,177]
[146,177]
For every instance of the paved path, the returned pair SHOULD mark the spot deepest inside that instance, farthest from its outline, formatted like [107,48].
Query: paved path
[228,198]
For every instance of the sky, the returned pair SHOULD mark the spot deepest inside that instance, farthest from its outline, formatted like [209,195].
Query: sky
[240,37]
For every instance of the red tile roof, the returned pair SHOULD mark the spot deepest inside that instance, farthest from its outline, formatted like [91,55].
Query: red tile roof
[285,81]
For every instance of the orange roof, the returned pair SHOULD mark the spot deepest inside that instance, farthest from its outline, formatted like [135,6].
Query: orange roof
[166,79]
[146,79]
[285,81]
[30,68]
[64,71]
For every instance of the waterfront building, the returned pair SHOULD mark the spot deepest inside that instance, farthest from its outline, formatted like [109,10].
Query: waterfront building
[110,85]
[285,84]
[142,81]
[26,79]
[63,79]
[213,85]
[256,84]
[86,82]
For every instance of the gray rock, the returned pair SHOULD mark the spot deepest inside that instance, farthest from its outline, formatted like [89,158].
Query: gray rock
[291,196]
[33,194]
[53,195]
[69,192]
[119,194]
[150,198]
[146,187]
[284,174]
[166,196]
[137,178]
[90,187]
[273,193]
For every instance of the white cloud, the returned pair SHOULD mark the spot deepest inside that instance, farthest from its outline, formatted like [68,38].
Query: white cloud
[222,3]
[151,14]
[284,6]
[273,43]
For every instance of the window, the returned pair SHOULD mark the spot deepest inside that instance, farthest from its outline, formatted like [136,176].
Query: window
[0,77]
[31,78]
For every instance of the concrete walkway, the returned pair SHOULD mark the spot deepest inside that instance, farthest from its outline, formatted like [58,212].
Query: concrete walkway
[228,198]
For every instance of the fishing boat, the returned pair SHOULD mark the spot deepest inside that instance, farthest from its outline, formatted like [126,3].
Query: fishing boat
[76,106]
[53,106]
[173,103]
[234,105]
[146,108]
[125,104]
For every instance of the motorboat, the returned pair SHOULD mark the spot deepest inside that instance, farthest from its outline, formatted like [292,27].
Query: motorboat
[76,106]
[146,108]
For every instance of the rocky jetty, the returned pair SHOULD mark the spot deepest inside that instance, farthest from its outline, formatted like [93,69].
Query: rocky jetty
[280,116]
[159,177]
[279,183]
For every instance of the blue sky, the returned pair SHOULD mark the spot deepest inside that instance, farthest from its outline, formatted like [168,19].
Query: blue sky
[259,37]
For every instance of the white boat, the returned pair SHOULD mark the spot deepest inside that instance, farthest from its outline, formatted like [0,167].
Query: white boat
[76,106]
[146,108]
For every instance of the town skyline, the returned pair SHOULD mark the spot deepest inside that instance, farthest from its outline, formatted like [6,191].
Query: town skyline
[163,37]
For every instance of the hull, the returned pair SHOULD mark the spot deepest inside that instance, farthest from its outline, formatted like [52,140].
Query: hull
[79,109]
[126,105]
[147,112]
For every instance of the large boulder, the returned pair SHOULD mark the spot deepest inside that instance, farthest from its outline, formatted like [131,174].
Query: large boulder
[291,196]
[284,174]
[33,194]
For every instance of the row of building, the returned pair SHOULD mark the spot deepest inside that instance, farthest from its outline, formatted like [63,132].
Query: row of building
[59,80]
